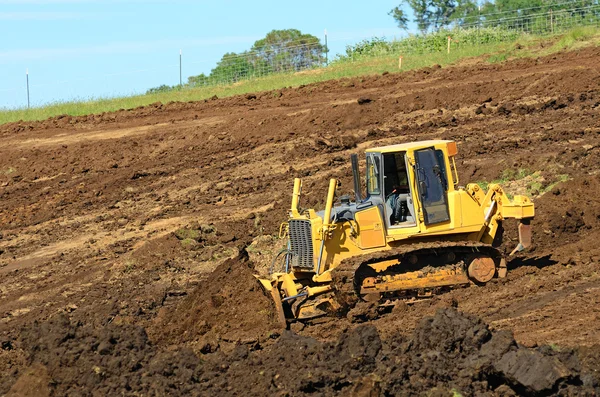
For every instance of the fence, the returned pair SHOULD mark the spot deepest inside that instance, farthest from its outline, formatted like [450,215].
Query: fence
[481,30]
[549,19]
[288,58]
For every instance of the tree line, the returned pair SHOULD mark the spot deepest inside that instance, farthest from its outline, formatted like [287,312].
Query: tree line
[431,15]
[287,50]
[290,50]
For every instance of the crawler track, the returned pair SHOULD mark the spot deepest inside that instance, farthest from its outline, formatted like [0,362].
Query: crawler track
[347,278]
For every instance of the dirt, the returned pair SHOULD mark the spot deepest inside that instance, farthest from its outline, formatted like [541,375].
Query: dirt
[229,307]
[125,229]
[446,352]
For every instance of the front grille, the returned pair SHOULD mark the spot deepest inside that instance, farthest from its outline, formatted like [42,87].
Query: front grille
[301,243]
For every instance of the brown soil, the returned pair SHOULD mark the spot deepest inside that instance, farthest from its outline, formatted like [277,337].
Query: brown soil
[111,225]
[447,351]
[229,307]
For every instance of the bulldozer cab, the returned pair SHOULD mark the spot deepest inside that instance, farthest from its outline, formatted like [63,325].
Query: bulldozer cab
[409,184]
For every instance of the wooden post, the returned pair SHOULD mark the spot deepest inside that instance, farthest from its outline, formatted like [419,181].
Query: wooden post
[449,40]
[551,21]
[400,62]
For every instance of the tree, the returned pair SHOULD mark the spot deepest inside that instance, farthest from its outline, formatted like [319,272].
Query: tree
[288,50]
[433,14]
[525,15]
[280,51]
[233,67]
[400,17]
[160,89]
[199,81]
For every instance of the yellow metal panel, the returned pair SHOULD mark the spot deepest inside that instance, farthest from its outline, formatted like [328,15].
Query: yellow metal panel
[411,146]
[371,232]
[521,207]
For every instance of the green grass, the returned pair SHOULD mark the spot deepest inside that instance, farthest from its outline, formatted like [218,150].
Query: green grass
[507,175]
[456,393]
[575,36]
[555,347]
[273,82]
[495,52]
[187,234]
[532,182]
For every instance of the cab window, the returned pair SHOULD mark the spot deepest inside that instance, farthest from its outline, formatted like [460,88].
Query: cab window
[432,185]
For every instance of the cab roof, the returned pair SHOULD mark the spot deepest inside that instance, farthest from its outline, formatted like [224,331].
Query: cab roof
[411,146]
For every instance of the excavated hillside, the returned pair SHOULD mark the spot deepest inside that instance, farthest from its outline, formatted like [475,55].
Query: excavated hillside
[124,240]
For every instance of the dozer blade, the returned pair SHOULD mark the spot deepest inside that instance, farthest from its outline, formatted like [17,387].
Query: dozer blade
[270,286]
[278,307]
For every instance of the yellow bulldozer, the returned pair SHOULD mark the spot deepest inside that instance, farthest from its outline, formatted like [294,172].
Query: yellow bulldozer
[414,234]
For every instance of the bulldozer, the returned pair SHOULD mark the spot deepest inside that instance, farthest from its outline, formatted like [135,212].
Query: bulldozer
[414,234]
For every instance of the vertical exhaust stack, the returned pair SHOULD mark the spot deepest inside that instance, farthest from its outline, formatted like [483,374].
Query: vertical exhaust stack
[356,175]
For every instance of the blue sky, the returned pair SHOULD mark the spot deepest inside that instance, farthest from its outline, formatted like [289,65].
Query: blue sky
[78,49]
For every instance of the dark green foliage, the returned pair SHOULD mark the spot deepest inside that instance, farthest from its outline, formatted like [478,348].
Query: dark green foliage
[433,14]
[532,16]
[427,43]
[287,50]
[162,88]
[199,80]
[400,17]
[232,67]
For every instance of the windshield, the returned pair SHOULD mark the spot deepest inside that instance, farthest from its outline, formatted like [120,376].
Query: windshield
[431,175]
[373,168]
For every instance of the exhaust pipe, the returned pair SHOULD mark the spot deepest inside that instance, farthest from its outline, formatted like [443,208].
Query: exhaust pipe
[356,175]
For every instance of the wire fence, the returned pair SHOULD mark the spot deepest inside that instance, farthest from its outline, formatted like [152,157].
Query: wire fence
[282,58]
[551,18]
[483,29]
[534,21]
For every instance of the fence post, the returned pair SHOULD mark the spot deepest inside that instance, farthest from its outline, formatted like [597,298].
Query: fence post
[551,22]
[400,62]
[326,50]
[27,76]
[479,24]
[180,70]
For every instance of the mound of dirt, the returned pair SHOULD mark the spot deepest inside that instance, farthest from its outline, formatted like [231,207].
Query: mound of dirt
[448,352]
[76,359]
[229,305]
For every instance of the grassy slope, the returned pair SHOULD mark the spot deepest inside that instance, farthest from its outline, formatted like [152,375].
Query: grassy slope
[497,52]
